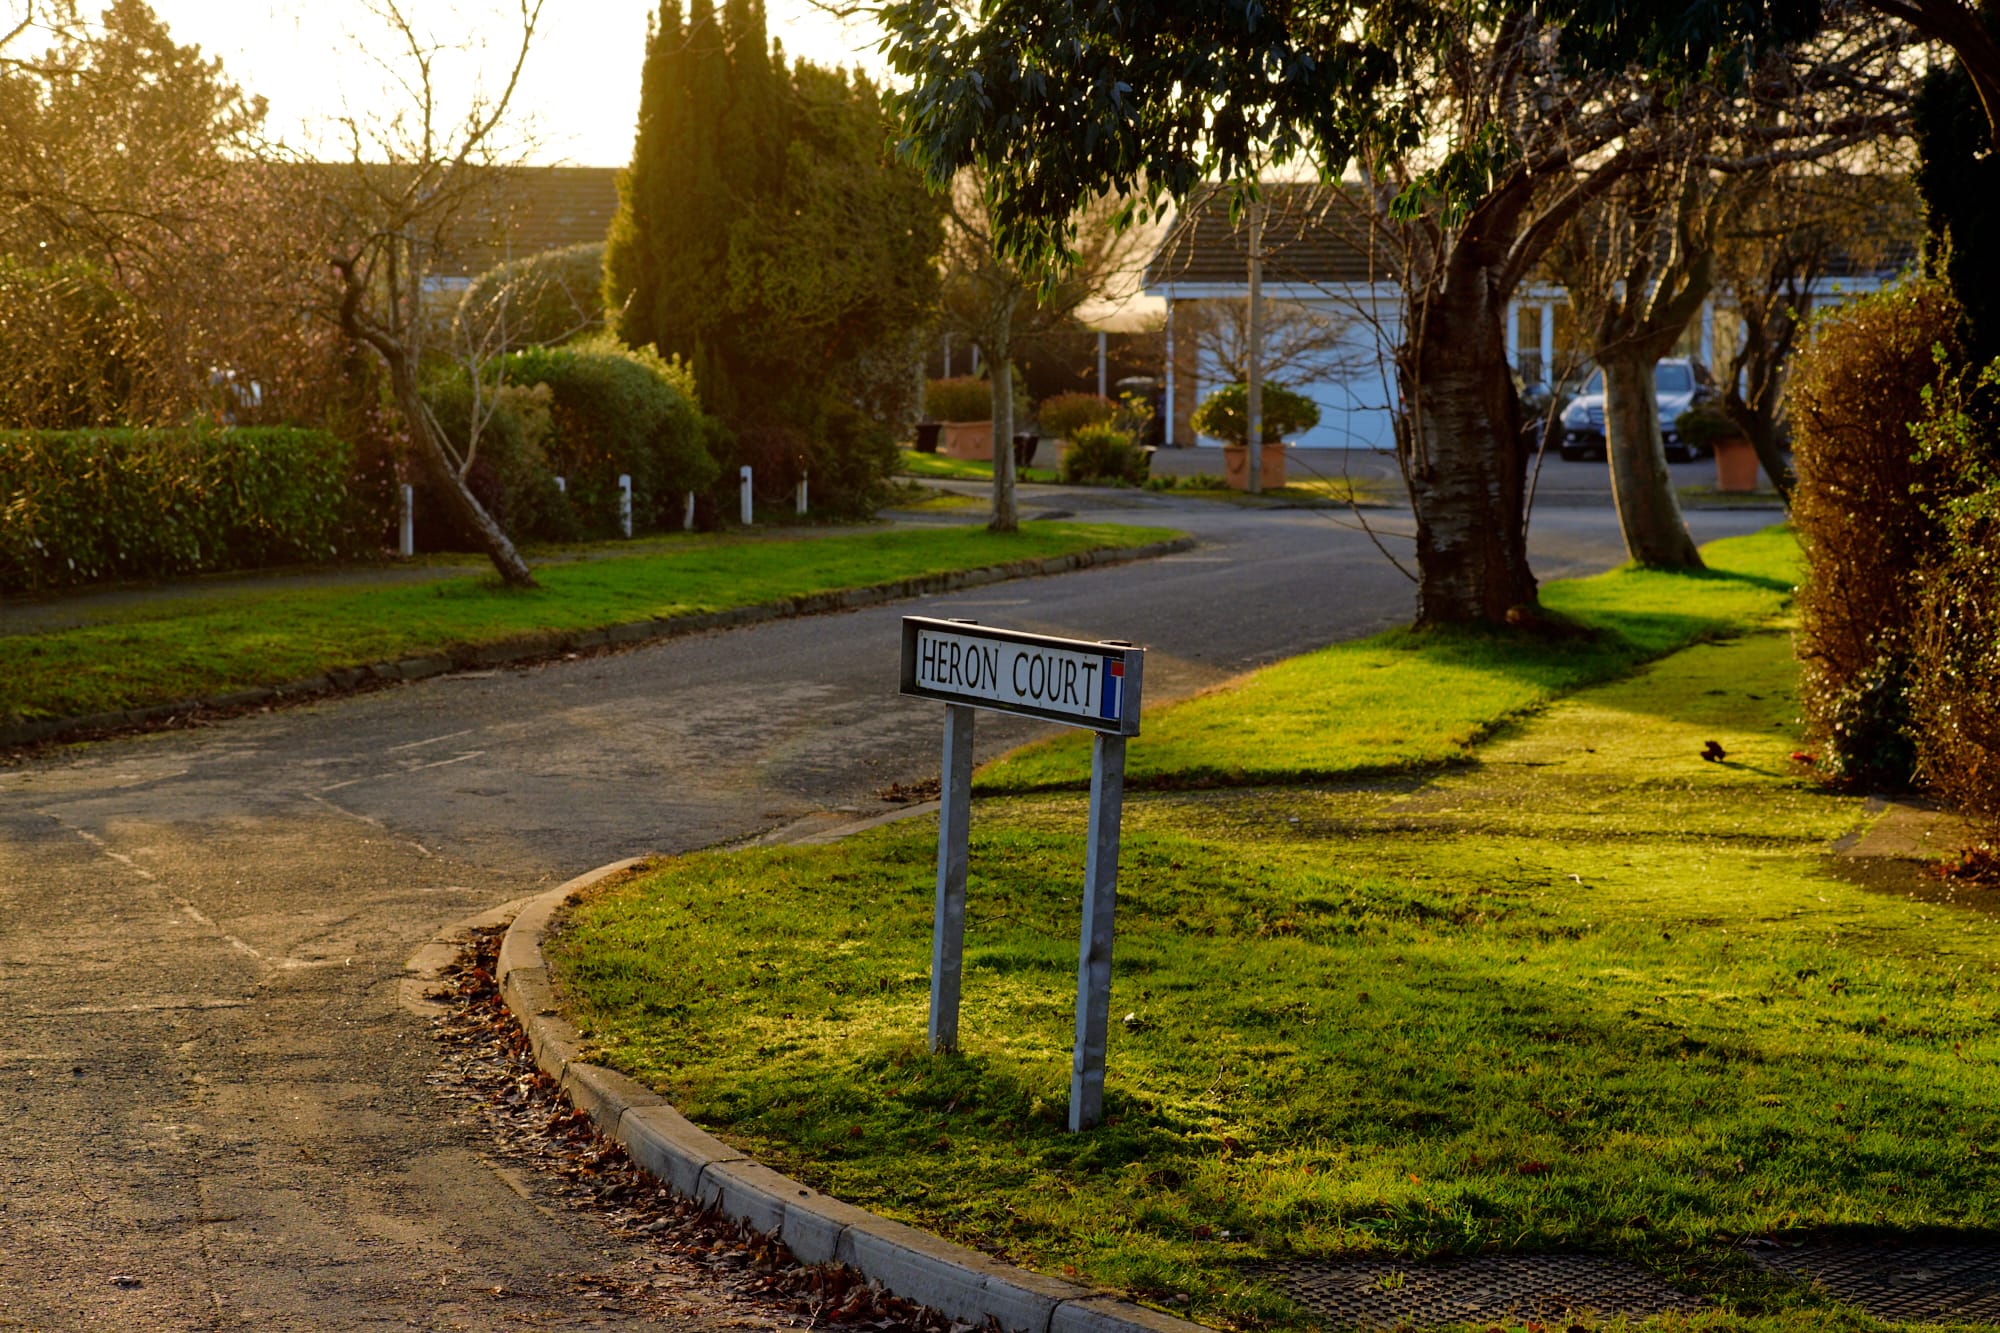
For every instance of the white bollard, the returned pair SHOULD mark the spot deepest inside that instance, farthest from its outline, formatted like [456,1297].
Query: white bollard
[687,514]
[802,495]
[406,535]
[562,484]
[746,494]
[625,503]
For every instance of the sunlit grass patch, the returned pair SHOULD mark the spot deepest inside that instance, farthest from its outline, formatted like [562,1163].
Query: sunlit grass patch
[1587,990]
[1410,699]
[181,647]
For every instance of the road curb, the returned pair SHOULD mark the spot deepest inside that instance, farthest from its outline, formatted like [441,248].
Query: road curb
[963,1283]
[543,646]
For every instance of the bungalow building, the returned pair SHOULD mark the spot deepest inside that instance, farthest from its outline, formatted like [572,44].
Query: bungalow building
[1334,312]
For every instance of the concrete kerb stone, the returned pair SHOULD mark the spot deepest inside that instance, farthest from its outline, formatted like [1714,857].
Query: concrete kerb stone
[962,1283]
[541,646]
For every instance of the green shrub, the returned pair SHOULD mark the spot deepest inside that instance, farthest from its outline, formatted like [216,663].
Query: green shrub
[961,398]
[1225,414]
[614,412]
[847,458]
[1103,454]
[1704,425]
[1860,506]
[510,475]
[1954,692]
[543,299]
[83,506]
[1064,414]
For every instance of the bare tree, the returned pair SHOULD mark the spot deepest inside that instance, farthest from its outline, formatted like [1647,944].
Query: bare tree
[414,176]
[1784,235]
[1002,305]
[1640,262]
[1300,343]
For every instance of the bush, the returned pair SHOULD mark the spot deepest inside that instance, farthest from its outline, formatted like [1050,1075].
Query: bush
[541,300]
[847,458]
[82,506]
[510,475]
[961,398]
[1103,454]
[1705,425]
[1225,414]
[1063,415]
[613,412]
[1954,691]
[1861,505]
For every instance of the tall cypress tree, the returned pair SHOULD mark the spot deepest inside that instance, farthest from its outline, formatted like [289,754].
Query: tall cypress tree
[764,232]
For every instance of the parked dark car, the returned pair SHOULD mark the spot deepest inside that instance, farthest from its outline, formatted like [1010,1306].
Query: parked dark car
[1678,384]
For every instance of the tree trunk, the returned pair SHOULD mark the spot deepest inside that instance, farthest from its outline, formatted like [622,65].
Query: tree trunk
[1649,514]
[513,570]
[1006,515]
[1458,439]
[1763,437]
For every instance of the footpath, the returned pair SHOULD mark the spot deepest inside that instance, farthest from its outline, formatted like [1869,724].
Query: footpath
[1583,973]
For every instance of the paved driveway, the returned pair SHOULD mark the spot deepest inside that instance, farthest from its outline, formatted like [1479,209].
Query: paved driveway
[217,1112]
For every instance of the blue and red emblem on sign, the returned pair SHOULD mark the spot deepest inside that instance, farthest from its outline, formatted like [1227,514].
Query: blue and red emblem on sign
[1112,705]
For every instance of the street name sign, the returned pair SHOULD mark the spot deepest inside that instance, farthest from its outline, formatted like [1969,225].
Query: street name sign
[1079,683]
[1072,681]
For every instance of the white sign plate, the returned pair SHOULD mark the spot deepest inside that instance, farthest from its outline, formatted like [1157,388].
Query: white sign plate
[1073,681]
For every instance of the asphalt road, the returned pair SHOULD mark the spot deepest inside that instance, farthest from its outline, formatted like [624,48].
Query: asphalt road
[217,1113]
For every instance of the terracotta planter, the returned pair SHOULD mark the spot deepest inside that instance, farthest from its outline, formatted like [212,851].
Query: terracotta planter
[966,439]
[1735,466]
[1236,466]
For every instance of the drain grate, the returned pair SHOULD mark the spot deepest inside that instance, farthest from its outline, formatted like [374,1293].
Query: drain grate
[1896,1280]
[1384,1293]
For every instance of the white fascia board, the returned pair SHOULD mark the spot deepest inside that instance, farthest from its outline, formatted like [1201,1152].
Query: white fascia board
[1301,292]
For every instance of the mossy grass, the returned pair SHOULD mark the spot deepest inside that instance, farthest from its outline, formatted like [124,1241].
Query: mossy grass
[916,464]
[1311,492]
[1589,992]
[179,647]
[1412,699]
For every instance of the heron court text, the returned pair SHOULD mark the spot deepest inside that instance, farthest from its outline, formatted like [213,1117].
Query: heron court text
[1073,681]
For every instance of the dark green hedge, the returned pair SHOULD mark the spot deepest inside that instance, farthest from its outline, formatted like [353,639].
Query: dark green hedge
[87,505]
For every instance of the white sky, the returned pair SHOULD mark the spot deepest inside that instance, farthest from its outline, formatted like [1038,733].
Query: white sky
[580,89]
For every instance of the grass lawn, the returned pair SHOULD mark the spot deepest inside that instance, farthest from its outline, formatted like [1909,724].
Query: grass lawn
[1407,699]
[1586,990]
[1330,492]
[182,647]
[915,464]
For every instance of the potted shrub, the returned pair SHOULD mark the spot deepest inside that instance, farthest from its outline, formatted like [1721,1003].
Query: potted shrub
[1225,414]
[1707,426]
[1062,415]
[962,407]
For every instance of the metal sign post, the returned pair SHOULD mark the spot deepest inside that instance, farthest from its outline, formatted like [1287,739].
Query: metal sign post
[1072,681]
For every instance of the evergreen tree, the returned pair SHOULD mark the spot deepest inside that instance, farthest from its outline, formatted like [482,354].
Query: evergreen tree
[766,233]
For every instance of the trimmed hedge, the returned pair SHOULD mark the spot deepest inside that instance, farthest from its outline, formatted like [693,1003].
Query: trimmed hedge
[88,505]
[1862,507]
